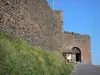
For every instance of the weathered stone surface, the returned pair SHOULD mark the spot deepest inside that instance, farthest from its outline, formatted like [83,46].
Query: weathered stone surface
[32,20]
[80,41]
[36,22]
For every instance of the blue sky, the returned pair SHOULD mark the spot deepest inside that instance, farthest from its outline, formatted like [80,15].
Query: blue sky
[82,16]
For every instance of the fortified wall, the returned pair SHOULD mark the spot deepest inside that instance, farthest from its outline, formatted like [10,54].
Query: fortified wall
[80,41]
[35,22]
[32,20]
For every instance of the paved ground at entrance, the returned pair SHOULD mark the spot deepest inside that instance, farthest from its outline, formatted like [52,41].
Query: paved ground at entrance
[86,69]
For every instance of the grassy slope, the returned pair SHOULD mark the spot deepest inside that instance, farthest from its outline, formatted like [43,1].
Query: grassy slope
[17,57]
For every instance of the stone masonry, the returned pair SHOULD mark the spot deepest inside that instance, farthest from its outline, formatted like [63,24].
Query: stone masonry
[35,22]
[80,41]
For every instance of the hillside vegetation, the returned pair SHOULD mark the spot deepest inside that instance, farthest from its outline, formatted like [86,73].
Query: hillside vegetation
[17,57]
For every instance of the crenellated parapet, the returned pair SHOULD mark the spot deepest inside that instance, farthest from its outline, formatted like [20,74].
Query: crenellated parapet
[76,34]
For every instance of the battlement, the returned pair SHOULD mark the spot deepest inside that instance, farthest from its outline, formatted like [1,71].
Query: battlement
[44,1]
[73,33]
[59,13]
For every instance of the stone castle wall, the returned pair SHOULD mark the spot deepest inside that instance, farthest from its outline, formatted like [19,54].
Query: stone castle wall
[32,20]
[80,41]
[36,22]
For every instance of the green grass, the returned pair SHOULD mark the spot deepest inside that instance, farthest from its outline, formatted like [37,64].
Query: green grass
[17,57]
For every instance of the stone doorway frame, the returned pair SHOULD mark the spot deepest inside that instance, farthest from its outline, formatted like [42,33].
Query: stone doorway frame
[74,54]
[77,54]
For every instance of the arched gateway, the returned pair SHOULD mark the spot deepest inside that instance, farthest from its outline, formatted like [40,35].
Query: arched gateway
[76,54]
[73,55]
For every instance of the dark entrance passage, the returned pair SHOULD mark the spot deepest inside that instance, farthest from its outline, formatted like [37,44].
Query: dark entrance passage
[78,57]
[77,54]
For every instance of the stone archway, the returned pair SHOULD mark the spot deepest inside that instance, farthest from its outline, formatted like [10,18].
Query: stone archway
[76,54]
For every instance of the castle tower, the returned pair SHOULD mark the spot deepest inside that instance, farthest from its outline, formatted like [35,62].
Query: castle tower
[78,45]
